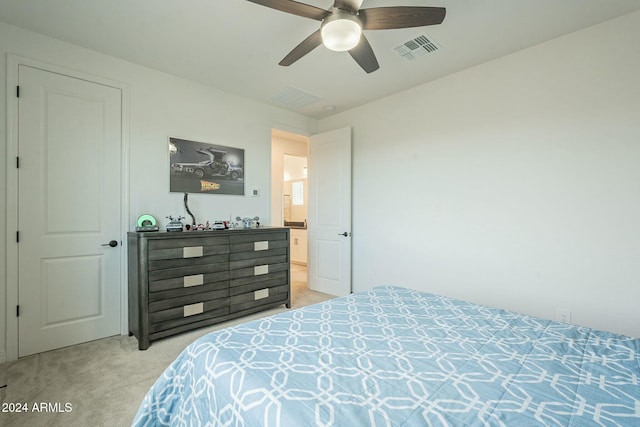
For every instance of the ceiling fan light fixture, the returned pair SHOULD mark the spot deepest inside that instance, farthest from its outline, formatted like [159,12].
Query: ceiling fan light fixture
[341,31]
[342,26]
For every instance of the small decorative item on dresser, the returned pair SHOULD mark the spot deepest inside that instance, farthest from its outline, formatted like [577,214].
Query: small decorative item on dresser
[146,223]
[186,207]
[174,223]
[248,222]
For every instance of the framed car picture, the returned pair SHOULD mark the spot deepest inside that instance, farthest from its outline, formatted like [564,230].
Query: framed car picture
[199,167]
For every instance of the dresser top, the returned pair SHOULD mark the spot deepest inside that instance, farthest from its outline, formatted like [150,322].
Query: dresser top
[196,233]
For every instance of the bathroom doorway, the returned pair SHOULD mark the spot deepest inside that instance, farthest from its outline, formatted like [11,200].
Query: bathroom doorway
[294,205]
[289,158]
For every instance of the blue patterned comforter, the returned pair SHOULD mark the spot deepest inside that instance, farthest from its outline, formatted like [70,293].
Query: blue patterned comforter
[397,357]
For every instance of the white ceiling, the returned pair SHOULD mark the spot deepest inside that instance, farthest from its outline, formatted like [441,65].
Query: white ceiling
[236,45]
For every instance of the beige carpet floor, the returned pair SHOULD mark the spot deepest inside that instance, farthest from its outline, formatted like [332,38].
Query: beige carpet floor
[102,383]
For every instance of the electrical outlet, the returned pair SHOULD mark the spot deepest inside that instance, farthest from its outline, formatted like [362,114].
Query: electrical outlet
[563,315]
[255,193]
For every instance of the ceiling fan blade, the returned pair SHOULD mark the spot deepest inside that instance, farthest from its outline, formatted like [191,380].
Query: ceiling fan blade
[387,18]
[364,56]
[352,5]
[295,8]
[306,46]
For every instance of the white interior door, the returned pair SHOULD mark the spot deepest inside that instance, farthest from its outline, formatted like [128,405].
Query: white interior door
[69,184]
[329,223]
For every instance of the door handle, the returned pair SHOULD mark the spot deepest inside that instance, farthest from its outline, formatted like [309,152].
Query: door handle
[112,243]
[345,234]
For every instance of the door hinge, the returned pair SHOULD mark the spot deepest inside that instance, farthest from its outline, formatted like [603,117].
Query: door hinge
[18,162]
[17,237]
[17,311]
[18,91]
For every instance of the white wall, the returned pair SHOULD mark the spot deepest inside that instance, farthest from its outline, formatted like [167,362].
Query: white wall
[515,183]
[160,106]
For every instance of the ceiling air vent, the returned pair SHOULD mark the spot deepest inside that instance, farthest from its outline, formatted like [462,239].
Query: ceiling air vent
[415,48]
[294,98]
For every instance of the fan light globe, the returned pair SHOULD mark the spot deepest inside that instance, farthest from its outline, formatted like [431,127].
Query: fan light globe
[341,34]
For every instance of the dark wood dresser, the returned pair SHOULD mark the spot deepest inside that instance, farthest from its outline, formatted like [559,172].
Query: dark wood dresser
[179,281]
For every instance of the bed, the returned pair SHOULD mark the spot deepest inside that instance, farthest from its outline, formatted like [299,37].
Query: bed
[392,356]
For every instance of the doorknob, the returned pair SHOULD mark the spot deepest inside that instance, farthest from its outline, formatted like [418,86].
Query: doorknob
[345,234]
[112,243]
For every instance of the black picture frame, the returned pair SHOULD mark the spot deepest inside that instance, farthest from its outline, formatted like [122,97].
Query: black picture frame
[200,167]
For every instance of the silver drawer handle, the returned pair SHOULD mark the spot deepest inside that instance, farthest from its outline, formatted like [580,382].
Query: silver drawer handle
[260,294]
[193,309]
[260,269]
[261,246]
[194,280]
[192,252]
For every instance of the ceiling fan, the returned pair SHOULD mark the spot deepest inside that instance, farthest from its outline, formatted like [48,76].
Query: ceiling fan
[342,26]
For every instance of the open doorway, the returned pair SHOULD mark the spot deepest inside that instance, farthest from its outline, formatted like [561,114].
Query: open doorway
[289,189]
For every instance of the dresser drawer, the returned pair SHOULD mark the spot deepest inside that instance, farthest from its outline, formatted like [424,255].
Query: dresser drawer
[188,299]
[252,283]
[187,270]
[173,318]
[187,252]
[258,246]
[189,240]
[189,280]
[259,270]
[195,288]
[263,236]
[276,256]
[162,264]
[259,297]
